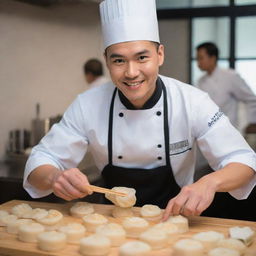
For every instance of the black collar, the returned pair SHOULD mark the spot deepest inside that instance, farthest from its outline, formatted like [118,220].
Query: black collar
[150,102]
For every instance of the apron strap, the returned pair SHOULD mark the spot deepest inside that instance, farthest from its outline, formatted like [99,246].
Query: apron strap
[110,127]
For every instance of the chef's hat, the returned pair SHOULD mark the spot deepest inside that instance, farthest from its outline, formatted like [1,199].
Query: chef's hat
[128,20]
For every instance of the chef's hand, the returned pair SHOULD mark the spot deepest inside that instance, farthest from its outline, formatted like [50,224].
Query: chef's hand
[192,200]
[70,184]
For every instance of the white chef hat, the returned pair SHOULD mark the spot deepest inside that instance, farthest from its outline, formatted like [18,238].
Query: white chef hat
[128,20]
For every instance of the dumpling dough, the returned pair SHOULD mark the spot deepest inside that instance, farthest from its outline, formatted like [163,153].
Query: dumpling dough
[134,226]
[28,232]
[180,221]
[73,231]
[92,221]
[151,212]
[170,229]
[114,232]
[21,209]
[13,226]
[209,239]
[188,247]
[119,212]
[81,209]
[123,201]
[95,245]
[156,238]
[6,219]
[232,243]
[51,241]
[134,248]
[223,252]
[52,220]
[245,234]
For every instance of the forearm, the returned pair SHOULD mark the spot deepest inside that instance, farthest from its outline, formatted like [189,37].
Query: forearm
[232,176]
[42,177]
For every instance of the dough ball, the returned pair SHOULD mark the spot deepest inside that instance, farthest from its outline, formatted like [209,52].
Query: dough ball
[122,201]
[81,209]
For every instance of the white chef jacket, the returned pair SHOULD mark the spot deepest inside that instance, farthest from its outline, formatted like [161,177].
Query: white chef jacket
[137,134]
[227,89]
[99,81]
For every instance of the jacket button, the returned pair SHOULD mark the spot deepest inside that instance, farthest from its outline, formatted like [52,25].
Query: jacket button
[158,113]
[120,157]
[121,114]
[159,158]
[159,145]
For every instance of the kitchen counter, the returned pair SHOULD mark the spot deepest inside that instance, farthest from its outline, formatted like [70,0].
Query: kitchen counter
[10,245]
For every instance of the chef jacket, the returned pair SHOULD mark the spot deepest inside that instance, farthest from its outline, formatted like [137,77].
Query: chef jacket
[227,89]
[99,81]
[138,137]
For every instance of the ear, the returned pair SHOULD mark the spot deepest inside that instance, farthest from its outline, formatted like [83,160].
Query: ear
[160,55]
[105,58]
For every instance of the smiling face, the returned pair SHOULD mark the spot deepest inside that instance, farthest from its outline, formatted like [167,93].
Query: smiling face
[133,67]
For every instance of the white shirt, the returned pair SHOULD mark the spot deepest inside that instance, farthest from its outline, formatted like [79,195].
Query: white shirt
[227,88]
[193,117]
[99,81]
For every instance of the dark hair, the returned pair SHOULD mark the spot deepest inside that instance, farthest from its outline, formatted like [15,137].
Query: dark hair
[93,66]
[210,48]
[155,43]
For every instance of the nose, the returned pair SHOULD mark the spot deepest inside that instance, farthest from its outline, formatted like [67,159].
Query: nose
[132,70]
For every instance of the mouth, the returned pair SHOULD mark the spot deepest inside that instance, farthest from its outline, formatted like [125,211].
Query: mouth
[134,85]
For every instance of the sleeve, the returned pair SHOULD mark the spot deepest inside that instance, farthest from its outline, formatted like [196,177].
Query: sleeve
[242,92]
[63,147]
[220,142]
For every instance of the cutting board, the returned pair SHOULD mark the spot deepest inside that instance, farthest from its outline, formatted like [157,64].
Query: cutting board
[9,245]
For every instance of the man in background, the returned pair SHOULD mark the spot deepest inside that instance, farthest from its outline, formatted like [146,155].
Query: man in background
[93,70]
[224,86]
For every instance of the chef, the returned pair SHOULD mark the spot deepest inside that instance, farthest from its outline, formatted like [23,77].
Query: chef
[224,86]
[143,130]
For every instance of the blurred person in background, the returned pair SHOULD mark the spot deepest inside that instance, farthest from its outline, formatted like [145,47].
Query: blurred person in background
[94,75]
[225,86]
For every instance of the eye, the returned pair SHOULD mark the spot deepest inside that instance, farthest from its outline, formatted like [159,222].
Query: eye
[118,61]
[143,57]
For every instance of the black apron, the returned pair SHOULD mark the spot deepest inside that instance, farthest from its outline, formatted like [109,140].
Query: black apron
[153,186]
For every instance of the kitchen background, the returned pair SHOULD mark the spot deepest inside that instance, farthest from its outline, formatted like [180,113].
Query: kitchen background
[44,44]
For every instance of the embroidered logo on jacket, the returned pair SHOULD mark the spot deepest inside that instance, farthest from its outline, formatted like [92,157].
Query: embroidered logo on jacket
[179,147]
[215,118]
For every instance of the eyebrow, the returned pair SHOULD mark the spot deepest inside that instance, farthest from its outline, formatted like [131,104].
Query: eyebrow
[116,55]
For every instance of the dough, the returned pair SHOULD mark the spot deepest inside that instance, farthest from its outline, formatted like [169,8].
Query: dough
[28,232]
[156,238]
[4,220]
[223,252]
[151,212]
[209,239]
[119,212]
[52,220]
[13,226]
[92,221]
[114,232]
[95,245]
[170,229]
[123,201]
[73,231]
[81,209]
[36,214]
[21,209]
[232,243]
[180,221]
[188,247]
[51,241]
[134,226]
[134,248]
[2,214]
[245,234]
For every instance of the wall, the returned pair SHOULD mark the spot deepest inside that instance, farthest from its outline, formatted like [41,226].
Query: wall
[42,52]
[175,37]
